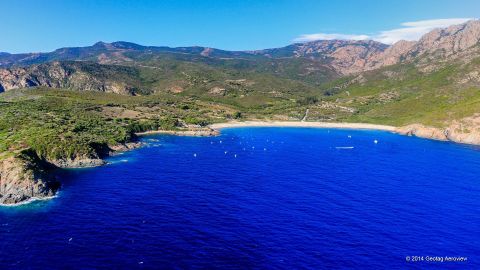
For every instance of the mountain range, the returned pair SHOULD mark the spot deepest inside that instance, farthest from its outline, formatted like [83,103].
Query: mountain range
[321,70]
[344,56]
[73,106]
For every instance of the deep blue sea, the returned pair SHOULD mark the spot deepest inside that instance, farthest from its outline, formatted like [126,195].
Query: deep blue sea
[258,198]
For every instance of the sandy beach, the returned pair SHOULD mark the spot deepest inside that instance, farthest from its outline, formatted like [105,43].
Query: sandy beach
[302,124]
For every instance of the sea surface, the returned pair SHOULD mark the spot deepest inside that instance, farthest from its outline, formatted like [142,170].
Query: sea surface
[259,198]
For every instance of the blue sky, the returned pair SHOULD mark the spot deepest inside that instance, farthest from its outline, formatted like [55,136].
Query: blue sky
[36,25]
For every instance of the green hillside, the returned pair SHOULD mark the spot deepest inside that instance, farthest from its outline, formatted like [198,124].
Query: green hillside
[405,94]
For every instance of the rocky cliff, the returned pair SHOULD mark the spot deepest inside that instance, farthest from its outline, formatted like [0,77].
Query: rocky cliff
[438,45]
[353,56]
[466,130]
[344,56]
[24,177]
[72,75]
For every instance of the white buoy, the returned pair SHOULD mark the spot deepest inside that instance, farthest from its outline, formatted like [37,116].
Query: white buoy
[235,155]
[195,155]
[226,152]
[375,141]
[349,136]
[220,141]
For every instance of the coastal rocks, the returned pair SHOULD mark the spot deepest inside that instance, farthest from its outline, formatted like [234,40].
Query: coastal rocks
[422,131]
[195,132]
[23,178]
[78,162]
[88,161]
[198,133]
[466,130]
[125,147]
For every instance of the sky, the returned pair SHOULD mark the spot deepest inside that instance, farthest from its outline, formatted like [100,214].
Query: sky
[45,25]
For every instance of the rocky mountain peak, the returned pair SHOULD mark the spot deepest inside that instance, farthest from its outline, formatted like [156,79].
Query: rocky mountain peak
[441,43]
[450,40]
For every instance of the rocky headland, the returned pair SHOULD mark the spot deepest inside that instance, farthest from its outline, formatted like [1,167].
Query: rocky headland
[26,177]
[466,131]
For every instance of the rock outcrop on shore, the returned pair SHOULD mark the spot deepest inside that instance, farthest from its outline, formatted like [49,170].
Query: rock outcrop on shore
[78,162]
[24,177]
[124,147]
[466,130]
[422,131]
[196,132]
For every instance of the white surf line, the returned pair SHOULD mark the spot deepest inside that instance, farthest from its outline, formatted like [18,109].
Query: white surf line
[29,201]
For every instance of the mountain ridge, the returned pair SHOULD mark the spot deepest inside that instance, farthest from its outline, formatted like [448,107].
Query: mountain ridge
[345,56]
[314,63]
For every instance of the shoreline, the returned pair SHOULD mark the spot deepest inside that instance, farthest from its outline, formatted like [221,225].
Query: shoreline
[415,130]
[447,134]
[200,132]
[361,126]
[29,201]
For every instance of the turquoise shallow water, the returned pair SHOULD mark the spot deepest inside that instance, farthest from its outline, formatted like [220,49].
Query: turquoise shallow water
[258,198]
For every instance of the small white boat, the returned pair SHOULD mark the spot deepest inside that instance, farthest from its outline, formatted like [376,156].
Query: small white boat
[344,147]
